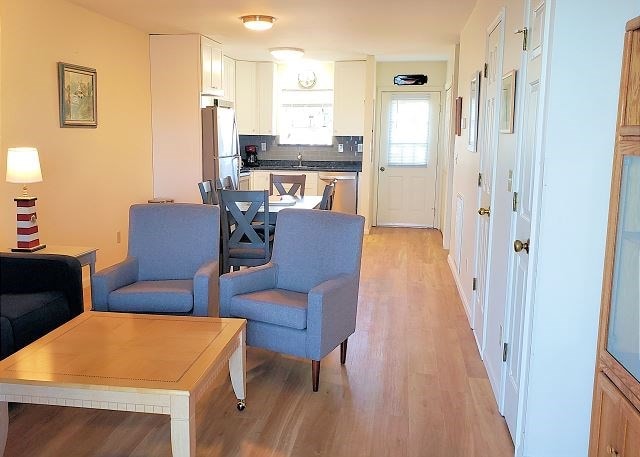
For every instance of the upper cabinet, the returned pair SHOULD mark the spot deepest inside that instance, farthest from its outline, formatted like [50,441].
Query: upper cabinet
[229,79]
[211,65]
[348,98]
[256,89]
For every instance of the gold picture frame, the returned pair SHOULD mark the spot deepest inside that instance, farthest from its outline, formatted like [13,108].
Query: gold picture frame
[78,96]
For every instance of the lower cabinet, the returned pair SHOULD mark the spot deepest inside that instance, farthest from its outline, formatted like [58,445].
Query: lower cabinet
[615,423]
[260,180]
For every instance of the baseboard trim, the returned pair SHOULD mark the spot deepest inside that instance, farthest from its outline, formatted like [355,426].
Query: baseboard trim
[463,298]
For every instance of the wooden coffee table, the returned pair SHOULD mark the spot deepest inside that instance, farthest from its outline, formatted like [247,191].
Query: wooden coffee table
[128,362]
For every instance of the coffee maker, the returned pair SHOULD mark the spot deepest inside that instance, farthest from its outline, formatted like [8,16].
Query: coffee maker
[251,154]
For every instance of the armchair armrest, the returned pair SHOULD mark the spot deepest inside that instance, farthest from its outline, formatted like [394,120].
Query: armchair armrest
[106,281]
[205,290]
[244,282]
[331,314]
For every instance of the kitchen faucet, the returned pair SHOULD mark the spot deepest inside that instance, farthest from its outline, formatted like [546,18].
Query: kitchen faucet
[299,159]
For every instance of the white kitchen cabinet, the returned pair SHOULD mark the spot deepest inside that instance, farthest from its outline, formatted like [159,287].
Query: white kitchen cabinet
[260,180]
[245,182]
[256,89]
[229,79]
[211,64]
[348,98]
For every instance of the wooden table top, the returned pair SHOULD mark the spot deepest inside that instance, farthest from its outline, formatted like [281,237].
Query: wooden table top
[125,351]
[73,251]
[306,202]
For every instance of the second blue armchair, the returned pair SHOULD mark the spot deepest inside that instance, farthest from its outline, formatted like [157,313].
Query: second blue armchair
[304,301]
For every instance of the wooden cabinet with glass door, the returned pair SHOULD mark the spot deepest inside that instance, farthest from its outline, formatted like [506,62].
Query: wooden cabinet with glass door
[615,420]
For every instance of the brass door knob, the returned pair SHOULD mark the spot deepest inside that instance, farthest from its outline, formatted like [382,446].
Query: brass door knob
[518,246]
[483,211]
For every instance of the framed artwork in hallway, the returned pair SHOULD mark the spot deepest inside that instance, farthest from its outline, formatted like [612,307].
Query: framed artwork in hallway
[474,109]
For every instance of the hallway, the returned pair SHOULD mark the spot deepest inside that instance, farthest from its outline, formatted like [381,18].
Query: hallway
[413,384]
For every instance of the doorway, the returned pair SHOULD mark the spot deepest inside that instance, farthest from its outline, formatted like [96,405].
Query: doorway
[407,158]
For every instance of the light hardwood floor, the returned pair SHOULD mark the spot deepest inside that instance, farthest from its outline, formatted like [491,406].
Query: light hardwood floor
[413,385]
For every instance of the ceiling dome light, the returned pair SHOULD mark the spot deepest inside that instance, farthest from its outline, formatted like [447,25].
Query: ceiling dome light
[286,53]
[258,22]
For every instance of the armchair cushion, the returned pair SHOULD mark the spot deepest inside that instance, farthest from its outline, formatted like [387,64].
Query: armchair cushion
[273,306]
[170,296]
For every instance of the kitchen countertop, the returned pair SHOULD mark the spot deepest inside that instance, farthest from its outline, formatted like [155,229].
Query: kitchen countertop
[308,165]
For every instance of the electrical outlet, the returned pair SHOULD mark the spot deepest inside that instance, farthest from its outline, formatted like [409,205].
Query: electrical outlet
[263,147]
[359,147]
[340,147]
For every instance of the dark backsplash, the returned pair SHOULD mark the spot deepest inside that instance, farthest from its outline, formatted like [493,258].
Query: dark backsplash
[277,151]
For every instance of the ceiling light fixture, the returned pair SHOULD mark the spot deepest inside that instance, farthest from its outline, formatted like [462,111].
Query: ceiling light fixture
[258,22]
[286,53]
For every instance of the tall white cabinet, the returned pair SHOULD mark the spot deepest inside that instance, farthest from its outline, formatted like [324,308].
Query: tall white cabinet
[229,79]
[348,98]
[256,87]
[184,71]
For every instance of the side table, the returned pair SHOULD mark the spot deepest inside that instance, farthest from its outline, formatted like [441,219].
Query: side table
[86,255]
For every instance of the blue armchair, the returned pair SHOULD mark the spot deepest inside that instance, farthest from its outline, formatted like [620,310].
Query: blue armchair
[171,265]
[304,301]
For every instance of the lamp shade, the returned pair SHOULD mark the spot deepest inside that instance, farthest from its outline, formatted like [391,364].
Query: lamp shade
[23,165]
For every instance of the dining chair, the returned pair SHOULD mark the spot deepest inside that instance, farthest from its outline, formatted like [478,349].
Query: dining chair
[246,233]
[171,265]
[208,192]
[304,301]
[327,196]
[297,184]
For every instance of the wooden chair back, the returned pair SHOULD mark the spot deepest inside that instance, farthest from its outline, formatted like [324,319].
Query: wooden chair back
[327,196]
[208,192]
[297,184]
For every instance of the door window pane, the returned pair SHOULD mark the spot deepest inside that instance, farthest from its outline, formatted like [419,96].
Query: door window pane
[409,130]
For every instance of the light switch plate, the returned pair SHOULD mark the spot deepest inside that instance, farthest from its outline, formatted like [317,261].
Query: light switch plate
[340,147]
[359,147]
[263,147]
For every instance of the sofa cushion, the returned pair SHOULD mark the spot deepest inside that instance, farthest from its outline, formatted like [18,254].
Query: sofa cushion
[167,296]
[273,306]
[33,315]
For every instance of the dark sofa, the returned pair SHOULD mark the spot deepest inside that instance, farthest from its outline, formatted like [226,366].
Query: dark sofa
[38,292]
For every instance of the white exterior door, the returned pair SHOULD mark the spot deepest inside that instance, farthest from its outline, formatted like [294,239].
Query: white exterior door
[488,149]
[527,198]
[408,151]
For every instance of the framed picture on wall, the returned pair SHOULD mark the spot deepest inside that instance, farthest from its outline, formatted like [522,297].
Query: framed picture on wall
[508,102]
[77,93]
[474,110]
[458,121]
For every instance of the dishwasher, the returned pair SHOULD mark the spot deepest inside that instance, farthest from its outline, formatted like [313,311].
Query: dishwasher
[345,199]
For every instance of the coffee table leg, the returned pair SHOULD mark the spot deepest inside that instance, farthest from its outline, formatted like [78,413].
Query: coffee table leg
[4,425]
[183,427]
[238,371]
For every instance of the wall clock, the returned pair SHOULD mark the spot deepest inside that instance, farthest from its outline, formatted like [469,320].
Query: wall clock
[306,79]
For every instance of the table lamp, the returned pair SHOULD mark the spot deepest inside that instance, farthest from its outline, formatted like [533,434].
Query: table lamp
[23,167]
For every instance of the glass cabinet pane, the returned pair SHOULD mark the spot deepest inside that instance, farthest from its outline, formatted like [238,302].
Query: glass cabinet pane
[624,321]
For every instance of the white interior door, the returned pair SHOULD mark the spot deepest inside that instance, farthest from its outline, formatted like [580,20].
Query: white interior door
[488,149]
[409,126]
[525,185]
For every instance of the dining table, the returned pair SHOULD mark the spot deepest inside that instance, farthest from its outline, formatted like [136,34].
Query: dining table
[275,205]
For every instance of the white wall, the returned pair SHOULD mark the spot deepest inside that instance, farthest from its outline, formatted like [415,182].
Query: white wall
[578,142]
[90,175]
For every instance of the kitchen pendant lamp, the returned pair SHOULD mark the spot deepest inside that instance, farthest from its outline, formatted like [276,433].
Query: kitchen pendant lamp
[286,53]
[258,22]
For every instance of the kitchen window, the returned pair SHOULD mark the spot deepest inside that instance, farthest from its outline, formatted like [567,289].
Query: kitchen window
[306,117]
[409,130]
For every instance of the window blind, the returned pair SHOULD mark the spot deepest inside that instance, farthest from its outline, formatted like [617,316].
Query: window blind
[409,130]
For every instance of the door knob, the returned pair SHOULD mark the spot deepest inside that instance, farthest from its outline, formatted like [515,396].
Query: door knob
[483,211]
[382,168]
[518,246]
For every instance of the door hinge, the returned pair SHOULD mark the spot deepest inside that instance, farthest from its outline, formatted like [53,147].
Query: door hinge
[475,284]
[505,347]
[486,70]
[515,202]
[479,179]
[525,35]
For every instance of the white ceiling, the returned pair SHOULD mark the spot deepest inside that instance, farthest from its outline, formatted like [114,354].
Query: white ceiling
[326,29]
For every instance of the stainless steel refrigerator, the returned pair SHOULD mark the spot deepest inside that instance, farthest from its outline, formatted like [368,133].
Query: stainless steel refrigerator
[220,144]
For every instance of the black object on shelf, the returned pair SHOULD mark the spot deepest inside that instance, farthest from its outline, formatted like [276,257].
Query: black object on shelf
[410,80]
